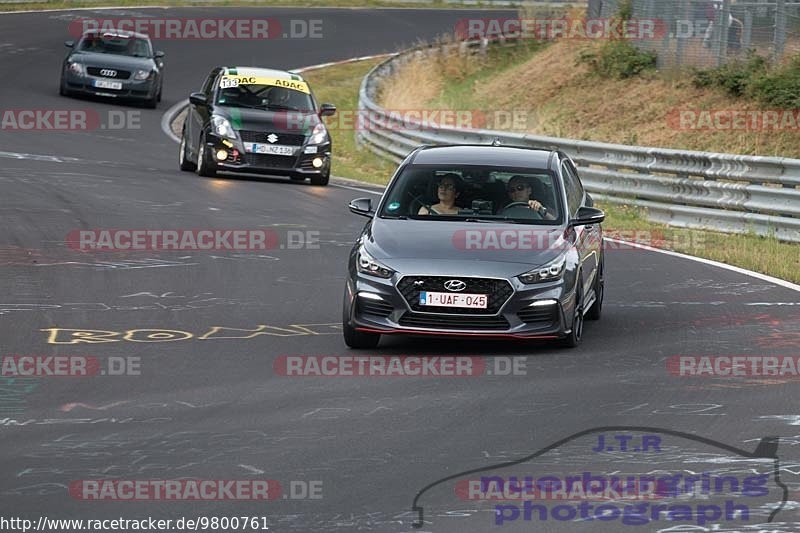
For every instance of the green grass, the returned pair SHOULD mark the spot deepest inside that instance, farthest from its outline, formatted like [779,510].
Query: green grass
[760,254]
[339,85]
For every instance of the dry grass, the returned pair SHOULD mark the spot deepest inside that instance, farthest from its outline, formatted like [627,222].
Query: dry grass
[414,85]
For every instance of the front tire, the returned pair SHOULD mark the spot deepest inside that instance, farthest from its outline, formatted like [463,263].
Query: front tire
[321,179]
[359,340]
[573,339]
[152,103]
[596,309]
[183,157]
[62,88]
[204,167]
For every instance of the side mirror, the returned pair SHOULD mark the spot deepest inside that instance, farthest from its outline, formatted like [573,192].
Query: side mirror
[587,216]
[159,54]
[327,110]
[362,206]
[69,44]
[198,99]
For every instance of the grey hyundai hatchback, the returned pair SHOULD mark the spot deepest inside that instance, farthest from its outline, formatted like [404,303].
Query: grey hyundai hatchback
[476,241]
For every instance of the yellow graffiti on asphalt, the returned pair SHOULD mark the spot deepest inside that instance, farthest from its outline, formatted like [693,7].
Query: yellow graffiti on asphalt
[96,336]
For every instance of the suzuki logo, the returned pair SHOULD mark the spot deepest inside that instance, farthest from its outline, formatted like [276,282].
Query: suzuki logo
[108,73]
[272,138]
[455,285]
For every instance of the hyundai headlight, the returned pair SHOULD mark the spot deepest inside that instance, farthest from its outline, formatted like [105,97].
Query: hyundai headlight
[368,265]
[142,75]
[220,126]
[77,69]
[552,271]
[319,135]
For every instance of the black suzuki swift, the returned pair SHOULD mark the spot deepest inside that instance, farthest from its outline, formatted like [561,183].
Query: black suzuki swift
[257,120]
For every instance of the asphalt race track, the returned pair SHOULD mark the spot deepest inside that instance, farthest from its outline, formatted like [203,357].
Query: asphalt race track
[209,404]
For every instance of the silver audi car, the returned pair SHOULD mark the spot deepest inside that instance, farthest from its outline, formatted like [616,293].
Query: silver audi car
[477,241]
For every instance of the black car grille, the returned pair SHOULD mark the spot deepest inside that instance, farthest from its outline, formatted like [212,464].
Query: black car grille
[121,74]
[539,315]
[498,291]
[374,308]
[288,139]
[270,161]
[414,320]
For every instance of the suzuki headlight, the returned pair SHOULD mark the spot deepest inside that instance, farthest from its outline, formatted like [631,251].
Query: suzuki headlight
[220,126]
[141,75]
[77,69]
[550,272]
[368,265]
[319,135]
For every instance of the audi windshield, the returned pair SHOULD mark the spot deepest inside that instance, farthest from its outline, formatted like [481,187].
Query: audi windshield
[116,44]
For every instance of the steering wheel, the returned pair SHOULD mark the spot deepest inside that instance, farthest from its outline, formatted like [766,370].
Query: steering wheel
[514,205]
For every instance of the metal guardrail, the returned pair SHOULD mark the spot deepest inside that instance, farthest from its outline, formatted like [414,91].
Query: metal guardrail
[699,190]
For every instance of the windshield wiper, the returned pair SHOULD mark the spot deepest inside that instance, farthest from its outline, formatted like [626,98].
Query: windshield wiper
[395,217]
[491,220]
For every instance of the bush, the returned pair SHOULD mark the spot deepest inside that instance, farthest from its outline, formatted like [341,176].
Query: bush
[779,87]
[618,59]
[734,78]
[753,78]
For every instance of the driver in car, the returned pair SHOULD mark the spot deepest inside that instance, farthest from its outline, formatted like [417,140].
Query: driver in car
[278,96]
[519,191]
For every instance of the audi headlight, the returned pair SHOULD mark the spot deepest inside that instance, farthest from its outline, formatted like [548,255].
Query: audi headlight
[141,75]
[368,265]
[77,69]
[319,135]
[550,272]
[223,128]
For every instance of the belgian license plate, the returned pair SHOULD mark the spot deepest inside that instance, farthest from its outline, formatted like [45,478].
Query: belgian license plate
[450,299]
[271,149]
[103,84]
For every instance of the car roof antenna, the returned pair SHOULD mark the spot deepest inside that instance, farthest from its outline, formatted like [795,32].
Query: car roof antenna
[496,142]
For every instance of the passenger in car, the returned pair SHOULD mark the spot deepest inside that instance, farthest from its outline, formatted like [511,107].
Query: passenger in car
[448,189]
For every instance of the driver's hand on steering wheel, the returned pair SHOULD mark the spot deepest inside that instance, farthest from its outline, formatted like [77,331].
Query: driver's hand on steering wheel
[535,205]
